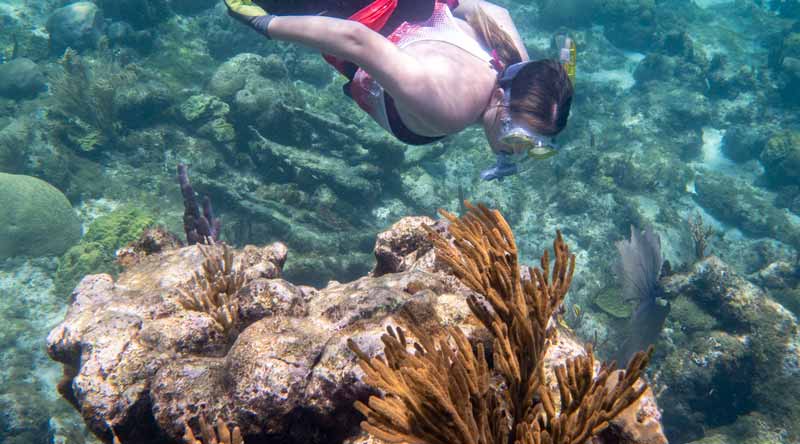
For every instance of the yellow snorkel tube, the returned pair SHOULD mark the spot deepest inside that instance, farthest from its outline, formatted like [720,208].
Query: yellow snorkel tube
[568,55]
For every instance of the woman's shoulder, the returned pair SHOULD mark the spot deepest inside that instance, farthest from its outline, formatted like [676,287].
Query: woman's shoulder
[467,28]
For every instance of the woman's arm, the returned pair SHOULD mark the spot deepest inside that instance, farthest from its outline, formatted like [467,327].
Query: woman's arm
[500,16]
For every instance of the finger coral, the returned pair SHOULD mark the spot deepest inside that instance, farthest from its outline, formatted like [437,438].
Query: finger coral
[222,434]
[213,288]
[199,228]
[446,393]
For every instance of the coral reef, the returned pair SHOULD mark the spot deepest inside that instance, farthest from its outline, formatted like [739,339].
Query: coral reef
[739,352]
[675,105]
[288,376]
[739,203]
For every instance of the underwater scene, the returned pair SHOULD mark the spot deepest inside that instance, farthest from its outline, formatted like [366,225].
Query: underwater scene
[400,221]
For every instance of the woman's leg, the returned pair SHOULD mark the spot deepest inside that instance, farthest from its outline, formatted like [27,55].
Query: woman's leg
[409,11]
[406,11]
[331,8]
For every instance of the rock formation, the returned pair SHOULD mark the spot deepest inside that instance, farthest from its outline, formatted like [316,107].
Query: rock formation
[140,366]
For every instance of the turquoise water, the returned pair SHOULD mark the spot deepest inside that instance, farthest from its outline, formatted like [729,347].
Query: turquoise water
[686,119]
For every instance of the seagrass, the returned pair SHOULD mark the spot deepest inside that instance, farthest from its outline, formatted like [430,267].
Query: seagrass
[445,392]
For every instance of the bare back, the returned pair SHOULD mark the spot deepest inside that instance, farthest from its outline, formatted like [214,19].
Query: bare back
[439,77]
[457,89]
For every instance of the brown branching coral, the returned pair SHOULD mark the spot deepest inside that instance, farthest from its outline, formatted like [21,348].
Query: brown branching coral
[436,396]
[446,393]
[85,100]
[213,288]
[222,434]
[701,233]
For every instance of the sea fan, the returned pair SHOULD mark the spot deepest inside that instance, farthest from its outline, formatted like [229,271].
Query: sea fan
[639,268]
[640,265]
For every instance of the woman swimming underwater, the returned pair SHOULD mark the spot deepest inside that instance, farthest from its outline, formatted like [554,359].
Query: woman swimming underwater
[424,69]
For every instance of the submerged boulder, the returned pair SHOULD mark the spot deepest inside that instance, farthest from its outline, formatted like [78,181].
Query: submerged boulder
[231,76]
[138,362]
[737,353]
[36,218]
[741,144]
[77,25]
[781,159]
[740,204]
[21,79]
[139,13]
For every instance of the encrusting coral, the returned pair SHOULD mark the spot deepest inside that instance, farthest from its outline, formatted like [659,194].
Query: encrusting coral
[213,288]
[446,393]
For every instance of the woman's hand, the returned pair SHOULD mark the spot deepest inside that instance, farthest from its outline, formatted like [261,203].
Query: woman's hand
[250,14]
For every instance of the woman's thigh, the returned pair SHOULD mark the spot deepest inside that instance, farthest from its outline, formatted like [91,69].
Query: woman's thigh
[331,8]
[406,11]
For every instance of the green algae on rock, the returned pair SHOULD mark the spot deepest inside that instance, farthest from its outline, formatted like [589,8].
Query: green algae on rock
[611,302]
[690,316]
[95,252]
[36,218]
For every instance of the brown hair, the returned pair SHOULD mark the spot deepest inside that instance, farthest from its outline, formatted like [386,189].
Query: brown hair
[541,93]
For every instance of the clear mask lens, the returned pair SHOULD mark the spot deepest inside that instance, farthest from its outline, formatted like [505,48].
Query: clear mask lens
[519,141]
[523,143]
[542,152]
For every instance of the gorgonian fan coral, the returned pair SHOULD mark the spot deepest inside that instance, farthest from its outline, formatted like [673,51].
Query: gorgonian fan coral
[447,392]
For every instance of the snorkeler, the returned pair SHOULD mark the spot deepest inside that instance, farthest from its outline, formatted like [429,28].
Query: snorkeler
[424,69]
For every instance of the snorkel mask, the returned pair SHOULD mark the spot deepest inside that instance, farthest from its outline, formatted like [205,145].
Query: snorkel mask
[526,145]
